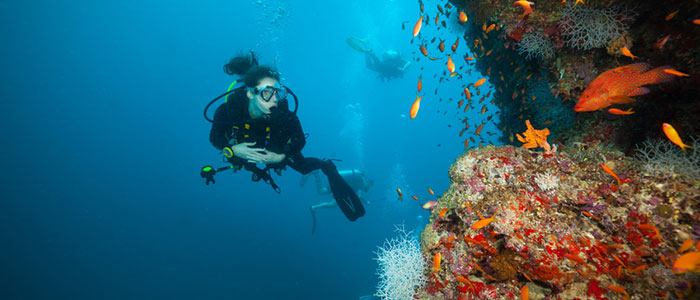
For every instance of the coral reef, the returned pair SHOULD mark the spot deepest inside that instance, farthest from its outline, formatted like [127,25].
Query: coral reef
[561,226]
[586,28]
[547,109]
[660,158]
[536,45]
[602,27]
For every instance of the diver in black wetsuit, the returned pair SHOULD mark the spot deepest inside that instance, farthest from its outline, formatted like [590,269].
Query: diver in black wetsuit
[392,65]
[255,126]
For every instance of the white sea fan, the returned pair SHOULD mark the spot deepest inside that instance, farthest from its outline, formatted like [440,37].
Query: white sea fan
[401,267]
[585,27]
[536,45]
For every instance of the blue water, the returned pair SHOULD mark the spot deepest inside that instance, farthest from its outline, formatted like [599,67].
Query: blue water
[103,138]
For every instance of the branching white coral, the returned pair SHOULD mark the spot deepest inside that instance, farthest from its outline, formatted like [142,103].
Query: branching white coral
[536,45]
[586,27]
[401,267]
[662,158]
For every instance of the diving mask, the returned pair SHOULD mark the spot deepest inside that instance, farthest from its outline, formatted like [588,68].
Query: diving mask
[266,92]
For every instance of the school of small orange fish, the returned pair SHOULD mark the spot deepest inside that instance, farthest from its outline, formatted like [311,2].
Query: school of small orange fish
[597,257]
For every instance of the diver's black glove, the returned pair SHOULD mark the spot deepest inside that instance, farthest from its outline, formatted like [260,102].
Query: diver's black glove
[208,173]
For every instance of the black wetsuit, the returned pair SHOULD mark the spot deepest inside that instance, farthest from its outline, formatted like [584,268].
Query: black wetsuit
[279,132]
[387,69]
[284,136]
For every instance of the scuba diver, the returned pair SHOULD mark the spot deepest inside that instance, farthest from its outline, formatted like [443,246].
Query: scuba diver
[255,126]
[392,65]
[355,178]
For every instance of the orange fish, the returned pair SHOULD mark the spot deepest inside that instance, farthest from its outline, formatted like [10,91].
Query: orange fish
[454,46]
[416,28]
[420,83]
[674,72]
[575,258]
[466,144]
[626,52]
[616,111]
[415,198]
[671,15]
[478,129]
[436,262]
[628,81]
[526,5]
[689,262]
[619,289]
[590,215]
[686,245]
[467,94]
[398,190]
[652,228]
[468,58]
[638,269]
[606,169]
[442,212]
[491,27]
[661,42]
[483,110]
[415,107]
[450,64]
[479,82]
[423,50]
[431,191]
[483,222]
[441,46]
[463,280]
[672,135]
[462,17]
[696,21]
[524,293]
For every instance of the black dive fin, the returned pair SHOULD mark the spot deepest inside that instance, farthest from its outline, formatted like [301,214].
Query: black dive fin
[346,198]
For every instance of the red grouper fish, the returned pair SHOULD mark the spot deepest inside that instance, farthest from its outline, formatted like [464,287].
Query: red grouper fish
[619,84]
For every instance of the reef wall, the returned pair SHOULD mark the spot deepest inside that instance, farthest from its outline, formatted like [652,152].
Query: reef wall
[562,226]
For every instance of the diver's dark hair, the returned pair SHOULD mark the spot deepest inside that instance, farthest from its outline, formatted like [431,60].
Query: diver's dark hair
[247,66]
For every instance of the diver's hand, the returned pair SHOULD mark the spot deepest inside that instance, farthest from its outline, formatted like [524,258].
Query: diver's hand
[270,157]
[247,152]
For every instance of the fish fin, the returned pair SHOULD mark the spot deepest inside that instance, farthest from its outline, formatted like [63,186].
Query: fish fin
[638,68]
[620,99]
[639,91]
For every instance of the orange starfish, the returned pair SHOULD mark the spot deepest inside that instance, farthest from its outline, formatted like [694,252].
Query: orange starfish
[536,138]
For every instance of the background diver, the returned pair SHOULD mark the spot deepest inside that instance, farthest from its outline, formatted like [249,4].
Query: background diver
[255,126]
[357,180]
[392,65]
